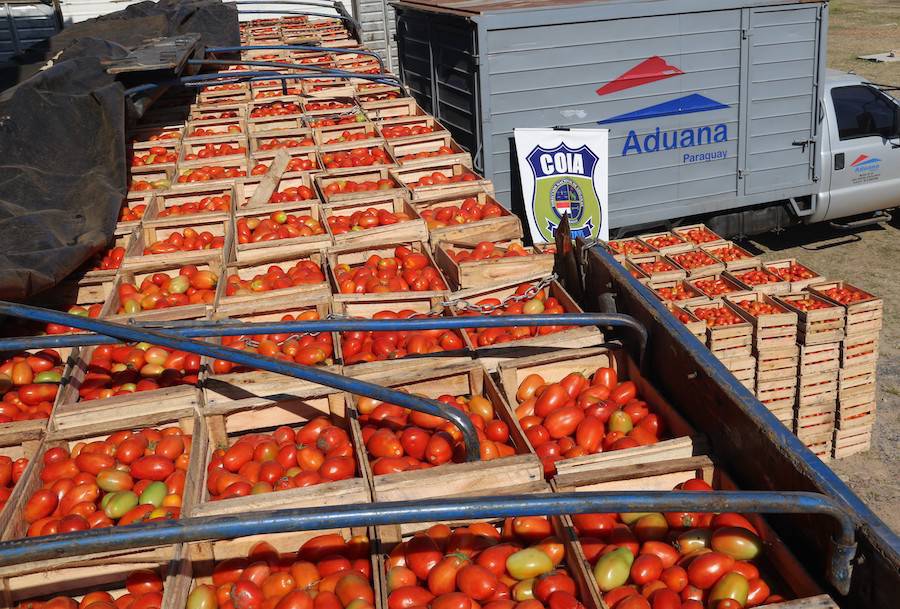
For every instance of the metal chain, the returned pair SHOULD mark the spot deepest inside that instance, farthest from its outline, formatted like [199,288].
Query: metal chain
[461,304]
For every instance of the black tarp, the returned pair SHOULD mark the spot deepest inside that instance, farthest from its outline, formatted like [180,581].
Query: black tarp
[62,141]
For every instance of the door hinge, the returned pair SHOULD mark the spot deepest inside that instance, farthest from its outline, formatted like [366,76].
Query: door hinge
[745,33]
[742,173]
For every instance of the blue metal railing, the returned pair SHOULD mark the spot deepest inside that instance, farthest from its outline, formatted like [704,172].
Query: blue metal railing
[296,47]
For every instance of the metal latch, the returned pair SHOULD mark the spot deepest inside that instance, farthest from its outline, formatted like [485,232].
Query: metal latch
[803,144]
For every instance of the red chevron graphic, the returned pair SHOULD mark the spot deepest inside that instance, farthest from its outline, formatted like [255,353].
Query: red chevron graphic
[650,70]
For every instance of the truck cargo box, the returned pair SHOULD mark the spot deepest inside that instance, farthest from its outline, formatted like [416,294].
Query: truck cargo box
[708,109]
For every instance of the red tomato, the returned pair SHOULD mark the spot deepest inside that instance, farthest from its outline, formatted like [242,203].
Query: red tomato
[152,468]
[706,569]
[476,582]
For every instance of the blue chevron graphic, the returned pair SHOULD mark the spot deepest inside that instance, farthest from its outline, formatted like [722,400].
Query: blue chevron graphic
[688,104]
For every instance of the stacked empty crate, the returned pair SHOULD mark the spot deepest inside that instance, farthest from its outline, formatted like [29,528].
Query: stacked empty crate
[807,347]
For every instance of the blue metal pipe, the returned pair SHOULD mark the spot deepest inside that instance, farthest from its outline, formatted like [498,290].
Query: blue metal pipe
[200,78]
[322,71]
[435,510]
[307,373]
[296,47]
[229,327]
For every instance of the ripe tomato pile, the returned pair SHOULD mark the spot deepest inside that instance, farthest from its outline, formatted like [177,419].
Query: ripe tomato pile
[346,136]
[372,97]
[438,177]
[485,250]
[10,474]
[363,219]
[211,150]
[345,186]
[216,131]
[327,572]
[144,185]
[578,416]
[699,235]
[143,590]
[284,459]
[278,93]
[629,247]
[662,241]
[130,477]
[393,132]
[305,272]
[29,383]
[123,369]
[518,567]
[331,121]
[132,214]
[716,316]
[306,349]
[278,225]
[276,144]
[405,271]
[156,155]
[847,295]
[470,210]
[712,287]
[399,440]
[92,311]
[226,114]
[275,109]
[164,135]
[293,193]
[359,347]
[758,277]
[442,151]
[210,203]
[540,303]
[695,259]
[111,260]
[792,272]
[672,560]
[655,266]
[357,157]
[810,303]
[210,172]
[759,307]
[161,290]
[328,105]
[188,240]
[680,291]
[730,253]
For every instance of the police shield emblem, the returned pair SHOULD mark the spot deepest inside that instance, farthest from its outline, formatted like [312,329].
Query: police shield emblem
[564,185]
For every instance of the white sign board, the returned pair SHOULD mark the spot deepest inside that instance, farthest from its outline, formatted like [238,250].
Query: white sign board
[564,172]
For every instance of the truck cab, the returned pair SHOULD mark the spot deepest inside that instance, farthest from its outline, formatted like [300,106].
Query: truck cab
[860,149]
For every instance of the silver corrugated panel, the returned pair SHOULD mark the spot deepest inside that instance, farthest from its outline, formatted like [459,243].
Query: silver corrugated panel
[24,25]
[377,21]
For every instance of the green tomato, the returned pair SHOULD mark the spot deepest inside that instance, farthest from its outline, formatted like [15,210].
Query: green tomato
[202,597]
[528,563]
[48,376]
[620,421]
[120,503]
[694,539]
[524,590]
[612,570]
[154,494]
[736,542]
[731,585]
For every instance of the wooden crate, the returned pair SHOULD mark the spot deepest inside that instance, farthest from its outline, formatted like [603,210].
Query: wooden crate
[265,145]
[409,177]
[228,93]
[293,246]
[451,479]
[74,577]
[498,228]
[425,152]
[422,121]
[492,355]
[490,271]
[708,265]
[819,358]
[770,330]
[786,266]
[716,286]
[132,155]
[695,326]
[816,326]
[326,107]
[863,317]
[683,440]
[215,112]
[778,563]
[778,393]
[851,417]
[655,267]
[620,248]
[853,441]
[356,255]
[192,147]
[273,125]
[743,367]
[743,279]
[15,447]
[153,232]
[238,165]
[143,138]
[665,242]
[214,130]
[149,183]
[820,446]
[248,270]
[235,419]
[362,174]
[778,363]
[814,420]
[136,276]
[258,120]
[407,230]
[165,201]
[363,134]
[859,349]
[817,388]
[328,163]
[133,202]
[667,291]
[267,183]
[323,87]
[856,376]
[726,341]
[189,423]
[732,255]
[371,92]
[698,234]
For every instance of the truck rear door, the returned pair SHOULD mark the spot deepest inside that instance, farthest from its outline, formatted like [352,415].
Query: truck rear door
[781,98]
